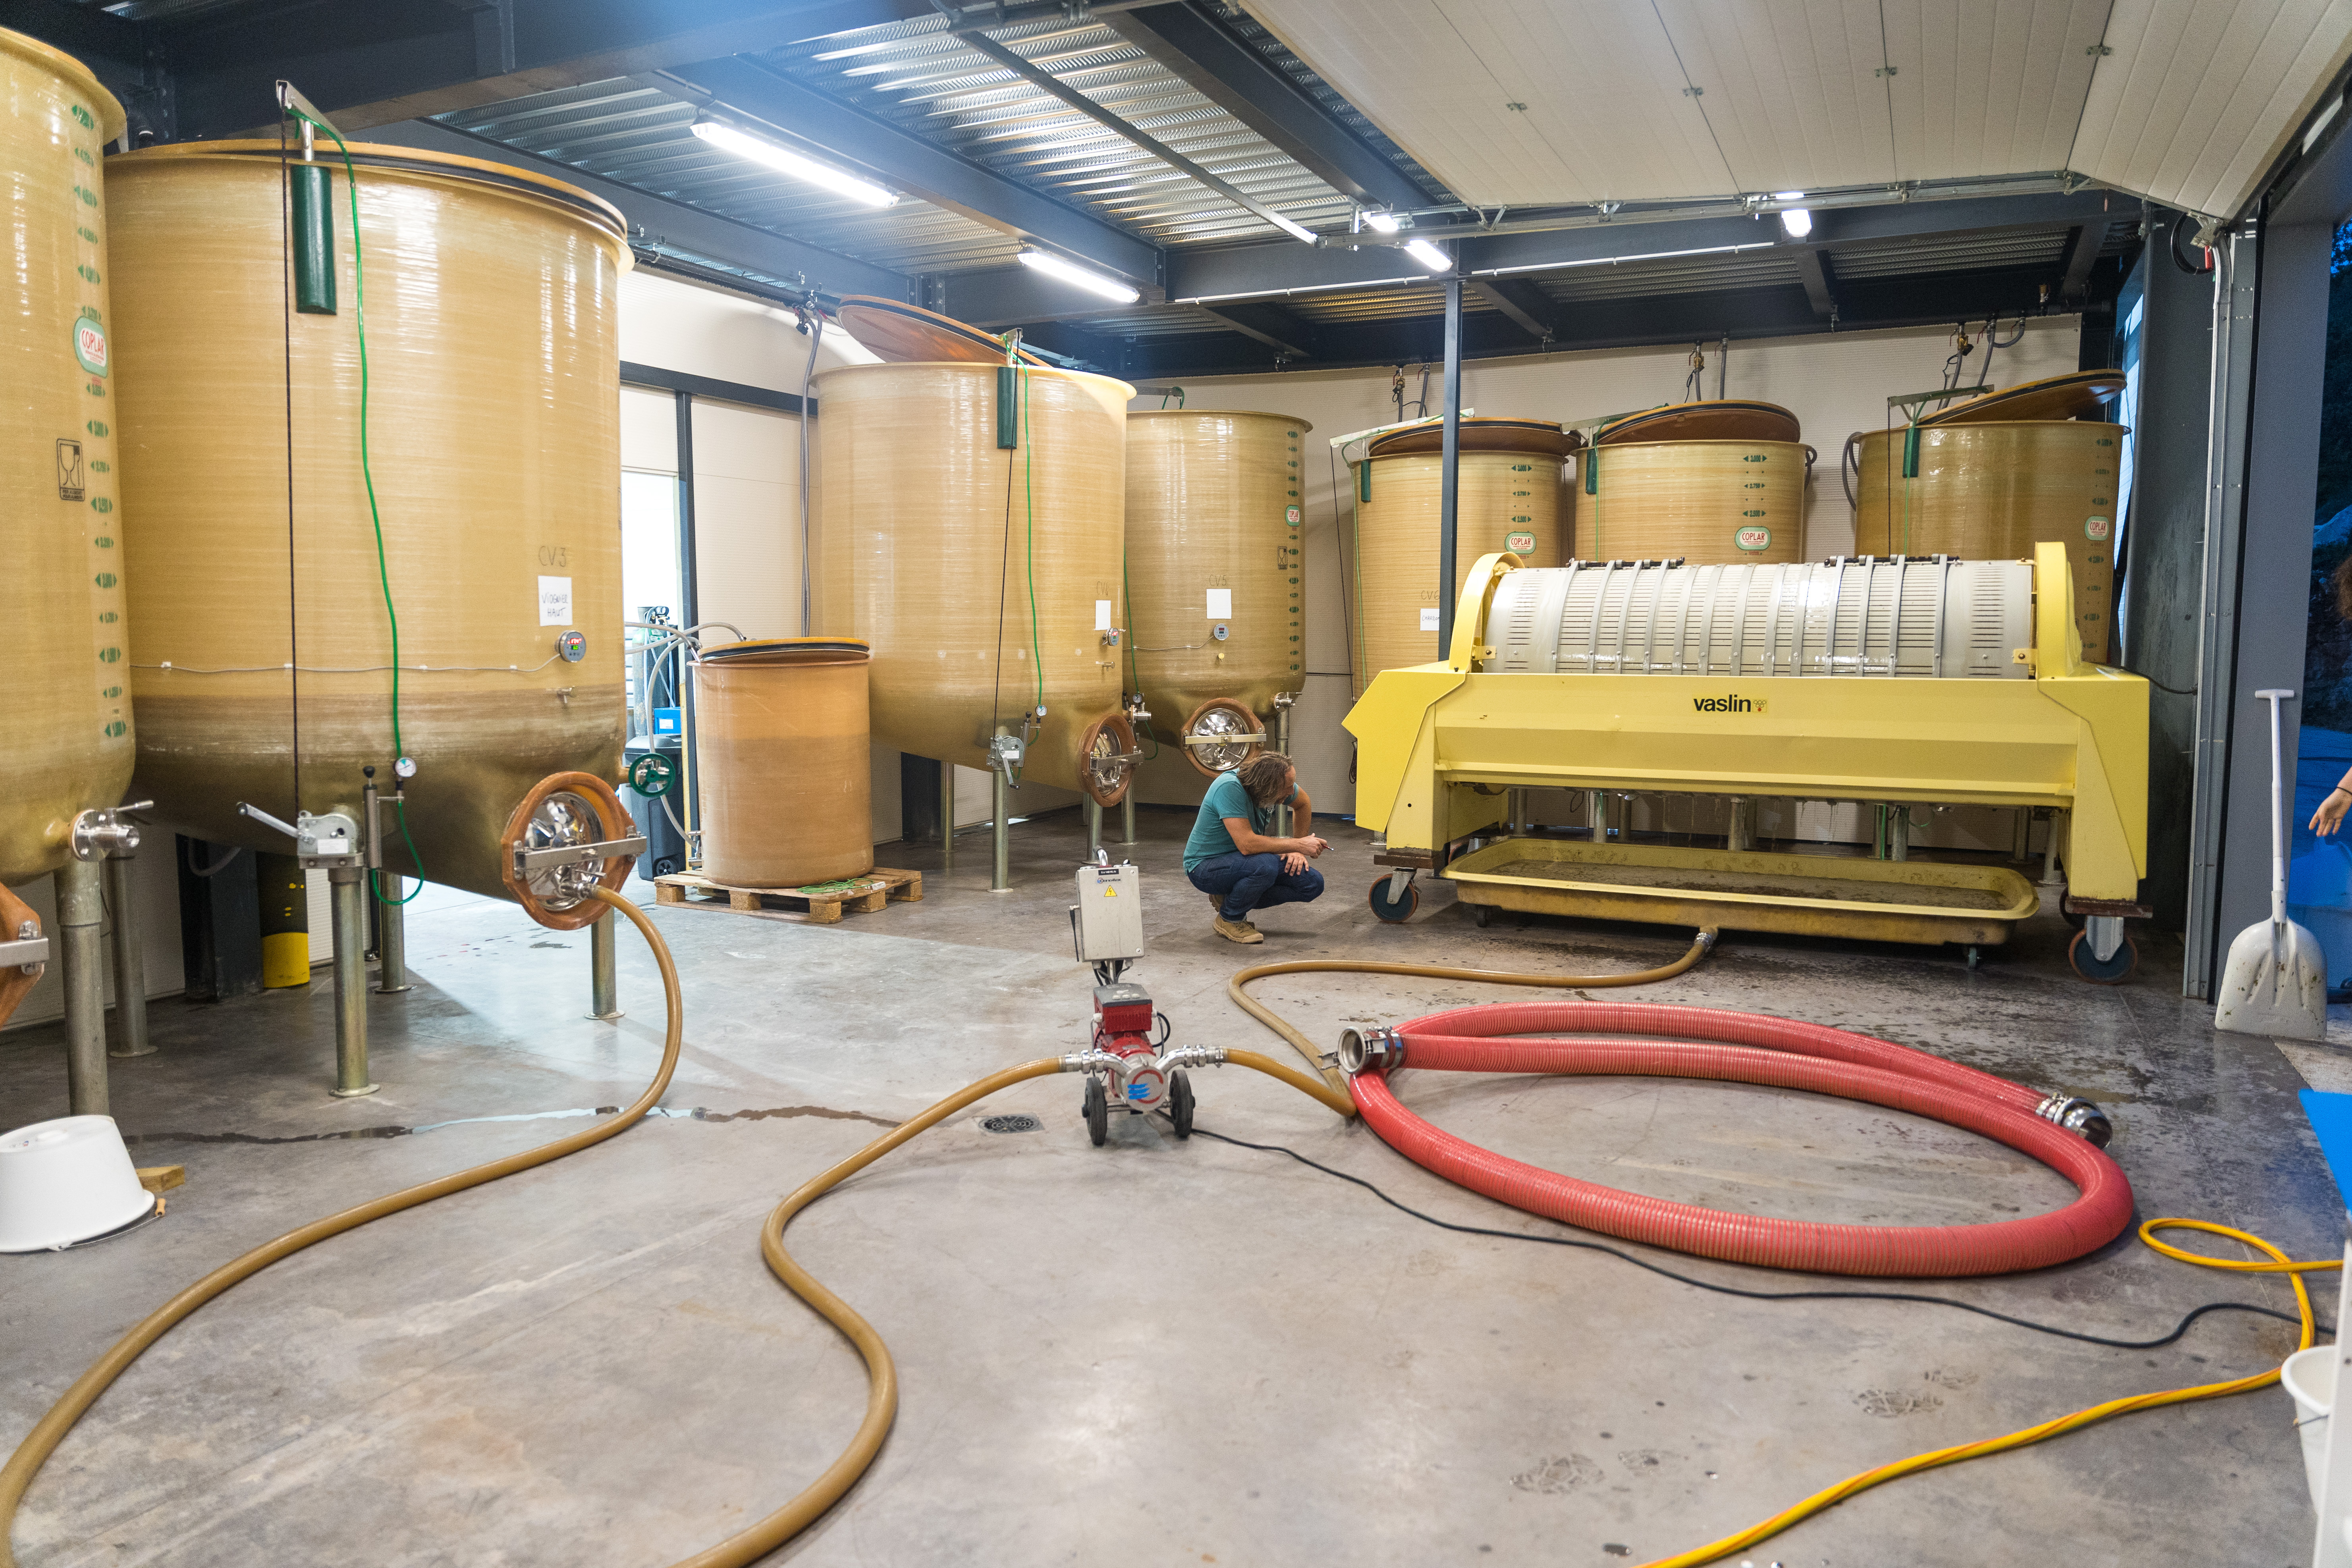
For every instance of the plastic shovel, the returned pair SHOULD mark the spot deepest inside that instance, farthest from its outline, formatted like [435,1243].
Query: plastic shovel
[2275,981]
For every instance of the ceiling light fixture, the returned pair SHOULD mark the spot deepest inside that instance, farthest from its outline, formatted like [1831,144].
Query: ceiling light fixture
[1380,223]
[1428,254]
[784,160]
[1078,277]
[1797,221]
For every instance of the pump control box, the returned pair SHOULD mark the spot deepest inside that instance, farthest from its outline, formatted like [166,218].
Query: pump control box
[1109,915]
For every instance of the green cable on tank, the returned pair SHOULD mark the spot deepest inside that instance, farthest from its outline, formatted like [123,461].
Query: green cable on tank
[375,516]
[1029,493]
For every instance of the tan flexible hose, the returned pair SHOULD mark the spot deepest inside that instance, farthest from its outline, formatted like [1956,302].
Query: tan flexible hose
[50,1430]
[1339,1100]
[1699,946]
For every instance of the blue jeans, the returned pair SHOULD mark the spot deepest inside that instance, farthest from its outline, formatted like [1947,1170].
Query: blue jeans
[1249,882]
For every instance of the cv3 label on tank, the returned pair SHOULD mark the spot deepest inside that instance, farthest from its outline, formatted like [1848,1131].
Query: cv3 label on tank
[1753,537]
[89,345]
[2095,528]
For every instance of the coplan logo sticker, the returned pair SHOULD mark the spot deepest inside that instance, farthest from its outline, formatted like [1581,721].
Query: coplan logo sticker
[1731,702]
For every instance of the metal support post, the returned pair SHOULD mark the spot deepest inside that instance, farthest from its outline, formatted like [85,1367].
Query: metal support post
[1094,827]
[2049,850]
[1597,808]
[1000,795]
[1743,823]
[1285,823]
[1126,816]
[1898,831]
[347,891]
[391,934]
[2021,847]
[603,981]
[946,817]
[81,953]
[1449,490]
[130,962]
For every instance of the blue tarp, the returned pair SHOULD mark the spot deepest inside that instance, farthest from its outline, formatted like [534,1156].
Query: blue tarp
[2319,870]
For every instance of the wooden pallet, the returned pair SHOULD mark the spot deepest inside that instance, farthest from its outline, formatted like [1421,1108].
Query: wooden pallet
[865,895]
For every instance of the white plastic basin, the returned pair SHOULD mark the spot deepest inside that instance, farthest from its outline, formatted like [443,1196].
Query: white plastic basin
[65,1181]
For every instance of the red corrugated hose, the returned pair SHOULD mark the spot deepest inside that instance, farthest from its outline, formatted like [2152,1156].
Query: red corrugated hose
[1747,1047]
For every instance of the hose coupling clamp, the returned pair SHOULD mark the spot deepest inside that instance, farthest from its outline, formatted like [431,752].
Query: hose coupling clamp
[2078,1116]
[97,834]
[1706,939]
[1370,1050]
[1091,1061]
[1192,1057]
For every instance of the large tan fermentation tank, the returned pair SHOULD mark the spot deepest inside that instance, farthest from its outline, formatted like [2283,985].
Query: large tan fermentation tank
[1992,491]
[64,711]
[1707,502]
[985,577]
[1508,499]
[786,762]
[493,358]
[1216,567]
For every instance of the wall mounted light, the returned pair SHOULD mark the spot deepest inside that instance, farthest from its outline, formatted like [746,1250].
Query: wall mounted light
[1428,254]
[1797,221]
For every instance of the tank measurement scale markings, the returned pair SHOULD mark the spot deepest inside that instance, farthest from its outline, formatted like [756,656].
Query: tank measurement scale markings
[82,463]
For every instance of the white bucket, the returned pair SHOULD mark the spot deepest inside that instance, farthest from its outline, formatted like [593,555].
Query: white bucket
[65,1181]
[2310,1376]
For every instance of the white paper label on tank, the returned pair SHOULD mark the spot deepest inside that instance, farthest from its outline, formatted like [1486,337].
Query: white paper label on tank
[1221,603]
[1429,617]
[555,601]
[1102,615]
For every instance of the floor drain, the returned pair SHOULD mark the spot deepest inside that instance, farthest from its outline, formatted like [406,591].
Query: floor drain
[1020,1122]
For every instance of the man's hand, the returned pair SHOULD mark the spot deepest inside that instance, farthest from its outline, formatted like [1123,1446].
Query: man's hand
[1293,863]
[1312,847]
[2331,811]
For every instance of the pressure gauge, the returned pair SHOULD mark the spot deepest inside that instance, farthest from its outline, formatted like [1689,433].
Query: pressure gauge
[572,645]
[405,767]
[1221,631]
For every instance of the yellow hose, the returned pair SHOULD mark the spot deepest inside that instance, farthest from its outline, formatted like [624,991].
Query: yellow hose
[1331,1077]
[1937,1459]
[50,1430]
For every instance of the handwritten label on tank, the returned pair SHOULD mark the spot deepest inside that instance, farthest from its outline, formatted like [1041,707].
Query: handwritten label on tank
[1221,603]
[89,345]
[2097,528]
[69,477]
[1753,537]
[555,601]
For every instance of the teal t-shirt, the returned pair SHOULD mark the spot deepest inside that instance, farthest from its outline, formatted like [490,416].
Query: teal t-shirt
[1226,797]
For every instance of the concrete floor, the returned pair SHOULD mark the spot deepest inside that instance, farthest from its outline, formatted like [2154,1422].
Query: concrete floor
[1151,1354]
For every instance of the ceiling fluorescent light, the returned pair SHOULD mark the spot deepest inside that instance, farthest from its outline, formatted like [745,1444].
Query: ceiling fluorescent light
[1797,221]
[1078,277]
[1380,223]
[759,150]
[1428,254]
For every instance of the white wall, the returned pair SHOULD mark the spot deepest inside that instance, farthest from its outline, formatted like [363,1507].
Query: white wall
[1836,384]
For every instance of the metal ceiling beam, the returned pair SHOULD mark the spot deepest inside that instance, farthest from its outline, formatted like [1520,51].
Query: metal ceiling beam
[2081,250]
[656,219]
[1047,81]
[1821,287]
[1535,311]
[1224,68]
[1291,336]
[832,129]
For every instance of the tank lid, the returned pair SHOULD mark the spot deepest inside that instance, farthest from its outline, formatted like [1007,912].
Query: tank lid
[1482,433]
[110,121]
[1218,414]
[788,650]
[1714,419]
[2067,397]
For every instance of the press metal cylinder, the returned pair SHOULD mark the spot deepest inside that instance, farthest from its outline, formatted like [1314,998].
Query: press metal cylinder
[1707,502]
[970,567]
[65,704]
[1933,618]
[786,774]
[1215,558]
[493,306]
[1507,501]
[1994,490]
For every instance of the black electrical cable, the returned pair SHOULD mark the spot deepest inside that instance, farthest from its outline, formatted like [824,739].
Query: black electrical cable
[1200,1131]
[2173,244]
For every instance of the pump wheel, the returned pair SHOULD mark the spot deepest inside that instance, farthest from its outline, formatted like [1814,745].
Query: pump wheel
[1097,1113]
[1482,915]
[2114,972]
[1394,911]
[1180,1102]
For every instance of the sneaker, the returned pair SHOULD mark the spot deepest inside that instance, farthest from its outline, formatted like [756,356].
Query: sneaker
[1238,931]
[1217,903]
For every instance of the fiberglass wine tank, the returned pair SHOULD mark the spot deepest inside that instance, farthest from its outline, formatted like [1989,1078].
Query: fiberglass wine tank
[1509,498]
[970,530]
[64,709]
[1713,483]
[1215,569]
[492,299]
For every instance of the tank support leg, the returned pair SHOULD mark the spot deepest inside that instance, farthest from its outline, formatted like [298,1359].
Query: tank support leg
[81,950]
[1126,816]
[346,892]
[1515,821]
[1283,825]
[1596,808]
[130,962]
[946,817]
[1000,795]
[1898,831]
[2022,840]
[1094,827]
[603,981]
[391,934]
[1743,823]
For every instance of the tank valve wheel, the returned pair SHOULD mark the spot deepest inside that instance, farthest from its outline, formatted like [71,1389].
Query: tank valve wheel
[1106,758]
[1393,910]
[1221,735]
[2113,970]
[1097,1111]
[652,774]
[568,834]
[1180,1102]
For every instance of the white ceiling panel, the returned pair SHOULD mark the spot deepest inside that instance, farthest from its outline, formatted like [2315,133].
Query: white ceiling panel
[2199,96]
[1988,87]
[1791,90]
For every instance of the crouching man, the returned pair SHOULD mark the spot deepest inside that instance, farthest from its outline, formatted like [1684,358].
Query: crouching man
[1232,859]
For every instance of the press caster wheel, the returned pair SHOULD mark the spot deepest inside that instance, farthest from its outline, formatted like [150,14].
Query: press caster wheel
[1097,1113]
[2114,972]
[1481,916]
[1180,1102]
[1394,911]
